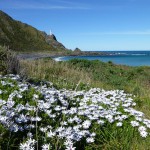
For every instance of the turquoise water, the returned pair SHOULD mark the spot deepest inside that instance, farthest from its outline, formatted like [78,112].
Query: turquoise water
[130,58]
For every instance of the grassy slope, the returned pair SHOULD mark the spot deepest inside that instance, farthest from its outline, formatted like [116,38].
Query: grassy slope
[22,37]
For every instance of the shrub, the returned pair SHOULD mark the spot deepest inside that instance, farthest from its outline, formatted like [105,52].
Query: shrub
[9,62]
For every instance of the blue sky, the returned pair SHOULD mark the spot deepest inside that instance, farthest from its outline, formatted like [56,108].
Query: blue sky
[88,24]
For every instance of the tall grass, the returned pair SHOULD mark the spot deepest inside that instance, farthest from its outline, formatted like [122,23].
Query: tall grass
[61,74]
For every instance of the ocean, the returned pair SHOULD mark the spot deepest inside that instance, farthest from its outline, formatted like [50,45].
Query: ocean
[129,58]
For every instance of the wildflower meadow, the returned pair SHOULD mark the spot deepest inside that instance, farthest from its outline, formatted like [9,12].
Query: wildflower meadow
[38,116]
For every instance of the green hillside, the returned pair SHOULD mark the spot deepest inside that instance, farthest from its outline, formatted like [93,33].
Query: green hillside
[23,37]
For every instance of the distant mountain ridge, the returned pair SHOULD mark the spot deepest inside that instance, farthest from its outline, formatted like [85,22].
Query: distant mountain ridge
[23,37]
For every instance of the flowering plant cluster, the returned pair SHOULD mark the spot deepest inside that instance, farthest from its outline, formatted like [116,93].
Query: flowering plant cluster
[47,118]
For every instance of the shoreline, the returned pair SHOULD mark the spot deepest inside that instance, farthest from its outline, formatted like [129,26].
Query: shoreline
[60,56]
[55,55]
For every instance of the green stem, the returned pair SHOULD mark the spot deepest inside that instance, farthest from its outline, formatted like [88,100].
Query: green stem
[36,129]
[8,141]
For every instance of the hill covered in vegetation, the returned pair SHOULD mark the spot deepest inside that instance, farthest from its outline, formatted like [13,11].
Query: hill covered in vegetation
[23,37]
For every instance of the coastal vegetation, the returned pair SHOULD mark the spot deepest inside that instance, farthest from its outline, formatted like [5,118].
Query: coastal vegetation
[96,105]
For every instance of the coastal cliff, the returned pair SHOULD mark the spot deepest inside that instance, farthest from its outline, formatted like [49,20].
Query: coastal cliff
[23,37]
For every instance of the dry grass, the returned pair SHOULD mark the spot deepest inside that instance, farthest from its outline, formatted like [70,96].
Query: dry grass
[59,73]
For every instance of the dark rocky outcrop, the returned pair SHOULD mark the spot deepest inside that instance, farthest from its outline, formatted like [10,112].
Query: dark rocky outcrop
[51,39]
